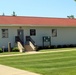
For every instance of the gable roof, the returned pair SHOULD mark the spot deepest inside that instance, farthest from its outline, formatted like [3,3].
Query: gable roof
[36,21]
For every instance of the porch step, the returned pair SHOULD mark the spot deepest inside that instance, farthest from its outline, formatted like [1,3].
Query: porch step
[28,48]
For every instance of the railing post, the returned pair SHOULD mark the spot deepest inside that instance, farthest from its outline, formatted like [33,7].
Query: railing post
[9,47]
[3,47]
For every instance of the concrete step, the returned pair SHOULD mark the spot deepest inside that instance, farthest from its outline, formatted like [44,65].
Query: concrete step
[28,48]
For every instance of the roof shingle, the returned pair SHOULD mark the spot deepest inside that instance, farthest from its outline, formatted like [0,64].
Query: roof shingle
[37,21]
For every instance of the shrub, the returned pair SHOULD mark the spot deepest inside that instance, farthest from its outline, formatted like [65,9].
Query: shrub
[64,46]
[59,46]
[40,47]
[74,45]
[1,50]
[53,46]
[71,45]
[15,49]
[48,47]
[37,48]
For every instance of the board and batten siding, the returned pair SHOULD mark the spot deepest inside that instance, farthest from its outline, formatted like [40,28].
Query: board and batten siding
[12,32]
[65,35]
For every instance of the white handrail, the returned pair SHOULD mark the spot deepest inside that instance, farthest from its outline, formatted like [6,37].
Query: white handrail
[20,47]
[32,46]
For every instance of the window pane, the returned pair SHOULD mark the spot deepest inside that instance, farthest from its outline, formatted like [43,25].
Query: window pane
[4,33]
[32,32]
[54,32]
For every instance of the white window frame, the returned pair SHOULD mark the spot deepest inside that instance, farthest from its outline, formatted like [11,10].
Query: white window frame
[4,33]
[54,32]
[34,32]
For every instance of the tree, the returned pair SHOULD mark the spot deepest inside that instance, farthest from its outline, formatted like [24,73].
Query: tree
[71,16]
[13,14]
[3,14]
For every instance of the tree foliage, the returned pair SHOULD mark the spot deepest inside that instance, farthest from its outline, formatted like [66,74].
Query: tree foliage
[13,14]
[71,16]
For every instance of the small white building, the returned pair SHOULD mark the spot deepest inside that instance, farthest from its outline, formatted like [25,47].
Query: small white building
[60,30]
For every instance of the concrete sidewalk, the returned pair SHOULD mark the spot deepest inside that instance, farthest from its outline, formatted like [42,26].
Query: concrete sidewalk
[5,70]
[34,52]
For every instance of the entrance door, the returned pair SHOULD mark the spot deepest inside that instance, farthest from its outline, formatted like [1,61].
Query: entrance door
[20,33]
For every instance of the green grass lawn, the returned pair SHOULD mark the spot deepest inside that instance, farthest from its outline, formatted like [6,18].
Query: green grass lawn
[60,63]
[8,53]
[45,50]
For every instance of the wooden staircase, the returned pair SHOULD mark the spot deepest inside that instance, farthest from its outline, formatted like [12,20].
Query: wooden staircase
[30,44]
[28,48]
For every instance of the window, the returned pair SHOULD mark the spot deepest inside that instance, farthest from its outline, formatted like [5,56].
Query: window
[32,32]
[54,32]
[4,33]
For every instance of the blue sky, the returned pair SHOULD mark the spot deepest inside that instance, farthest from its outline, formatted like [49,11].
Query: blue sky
[41,8]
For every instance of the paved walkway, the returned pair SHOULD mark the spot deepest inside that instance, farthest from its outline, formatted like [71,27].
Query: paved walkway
[34,52]
[5,70]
